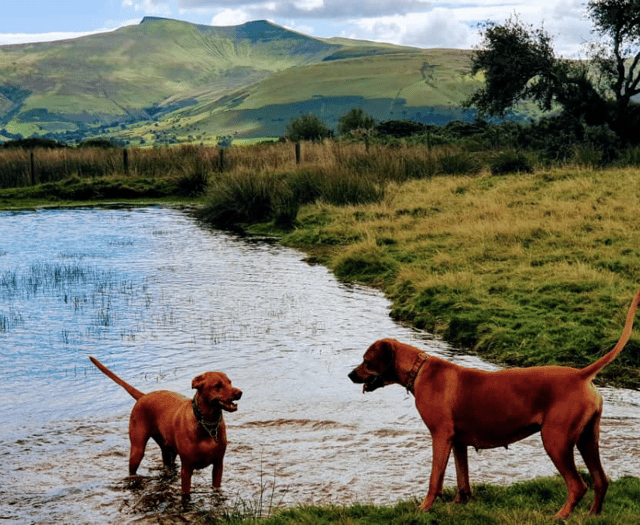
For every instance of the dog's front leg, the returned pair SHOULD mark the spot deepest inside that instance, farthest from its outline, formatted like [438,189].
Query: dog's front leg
[462,472]
[216,474]
[186,472]
[441,451]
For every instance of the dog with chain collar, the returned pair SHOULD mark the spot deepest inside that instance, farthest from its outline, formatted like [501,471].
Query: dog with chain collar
[193,429]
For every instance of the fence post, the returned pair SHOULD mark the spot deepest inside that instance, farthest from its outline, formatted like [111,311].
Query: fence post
[125,161]
[221,159]
[32,168]
[297,153]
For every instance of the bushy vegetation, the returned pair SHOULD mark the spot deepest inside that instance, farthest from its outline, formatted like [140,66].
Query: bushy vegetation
[355,121]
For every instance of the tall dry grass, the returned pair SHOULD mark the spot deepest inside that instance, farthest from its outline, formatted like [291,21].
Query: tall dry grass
[51,165]
[382,162]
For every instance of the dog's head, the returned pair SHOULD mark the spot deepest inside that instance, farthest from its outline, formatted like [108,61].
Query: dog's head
[215,389]
[377,368]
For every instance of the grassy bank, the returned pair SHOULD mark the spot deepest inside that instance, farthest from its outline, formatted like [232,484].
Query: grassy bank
[527,503]
[523,269]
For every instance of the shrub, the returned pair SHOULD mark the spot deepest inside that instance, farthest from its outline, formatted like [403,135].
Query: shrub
[307,127]
[33,142]
[240,198]
[630,157]
[459,163]
[98,143]
[507,162]
[401,128]
[356,119]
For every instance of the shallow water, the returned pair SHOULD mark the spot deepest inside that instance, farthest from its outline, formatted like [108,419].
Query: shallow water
[159,299]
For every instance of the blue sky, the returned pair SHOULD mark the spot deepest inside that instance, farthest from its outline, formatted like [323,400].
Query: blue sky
[421,23]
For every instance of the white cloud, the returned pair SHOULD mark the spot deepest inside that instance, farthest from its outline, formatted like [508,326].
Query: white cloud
[324,9]
[230,17]
[436,28]
[309,5]
[149,7]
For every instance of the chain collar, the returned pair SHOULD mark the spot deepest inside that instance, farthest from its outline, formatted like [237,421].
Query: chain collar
[210,426]
[421,358]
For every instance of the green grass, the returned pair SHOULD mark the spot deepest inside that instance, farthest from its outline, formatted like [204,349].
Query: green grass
[527,503]
[523,269]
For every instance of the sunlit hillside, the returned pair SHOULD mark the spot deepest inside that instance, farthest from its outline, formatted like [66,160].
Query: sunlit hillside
[170,81]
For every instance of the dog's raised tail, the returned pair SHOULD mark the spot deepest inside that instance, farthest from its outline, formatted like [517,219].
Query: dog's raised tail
[135,393]
[594,368]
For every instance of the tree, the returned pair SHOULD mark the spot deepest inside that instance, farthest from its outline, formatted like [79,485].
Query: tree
[519,65]
[354,120]
[510,56]
[617,56]
[307,127]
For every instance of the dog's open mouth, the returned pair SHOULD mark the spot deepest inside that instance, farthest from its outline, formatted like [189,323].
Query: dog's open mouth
[229,406]
[372,383]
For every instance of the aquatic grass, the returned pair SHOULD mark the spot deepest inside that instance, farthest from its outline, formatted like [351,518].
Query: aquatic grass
[10,320]
[241,510]
[46,277]
[251,198]
[79,287]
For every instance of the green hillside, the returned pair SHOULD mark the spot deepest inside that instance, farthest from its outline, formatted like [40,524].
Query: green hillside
[166,80]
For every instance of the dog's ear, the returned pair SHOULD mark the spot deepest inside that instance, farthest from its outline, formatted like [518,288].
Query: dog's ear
[386,351]
[198,382]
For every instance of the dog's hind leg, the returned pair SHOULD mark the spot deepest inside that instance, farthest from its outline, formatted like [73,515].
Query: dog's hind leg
[590,451]
[559,446]
[168,453]
[138,436]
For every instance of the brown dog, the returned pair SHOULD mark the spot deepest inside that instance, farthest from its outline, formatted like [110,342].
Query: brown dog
[190,428]
[464,407]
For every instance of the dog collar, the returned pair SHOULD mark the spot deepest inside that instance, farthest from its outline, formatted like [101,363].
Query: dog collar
[210,426]
[421,358]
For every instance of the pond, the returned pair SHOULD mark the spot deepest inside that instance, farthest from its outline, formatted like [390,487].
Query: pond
[159,298]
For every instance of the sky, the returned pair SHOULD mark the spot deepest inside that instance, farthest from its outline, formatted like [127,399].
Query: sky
[420,23]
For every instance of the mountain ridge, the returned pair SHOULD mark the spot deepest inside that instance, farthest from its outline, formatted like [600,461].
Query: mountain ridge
[198,80]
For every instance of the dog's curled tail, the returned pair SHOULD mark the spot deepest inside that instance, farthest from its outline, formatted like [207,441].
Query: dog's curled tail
[135,393]
[593,369]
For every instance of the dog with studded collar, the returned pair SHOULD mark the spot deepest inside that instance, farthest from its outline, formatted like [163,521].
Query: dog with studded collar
[464,407]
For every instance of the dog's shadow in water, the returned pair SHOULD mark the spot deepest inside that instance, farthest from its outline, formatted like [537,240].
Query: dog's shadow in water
[158,496]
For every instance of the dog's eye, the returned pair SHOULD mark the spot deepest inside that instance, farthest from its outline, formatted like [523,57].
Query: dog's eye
[218,385]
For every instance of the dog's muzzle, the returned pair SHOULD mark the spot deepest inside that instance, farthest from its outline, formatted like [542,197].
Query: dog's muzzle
[371,382]
[229,405]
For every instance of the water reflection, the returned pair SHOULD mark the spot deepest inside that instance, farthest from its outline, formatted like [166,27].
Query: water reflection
[160,299]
